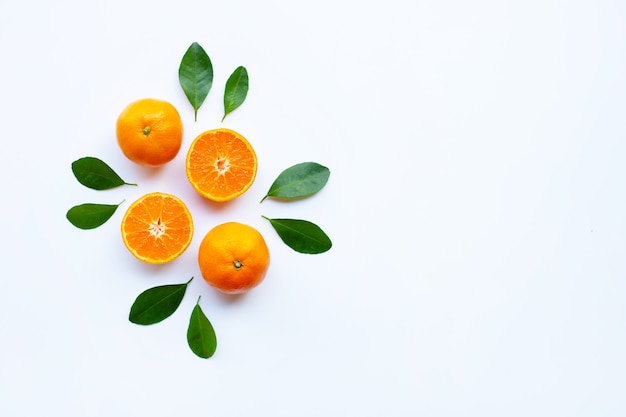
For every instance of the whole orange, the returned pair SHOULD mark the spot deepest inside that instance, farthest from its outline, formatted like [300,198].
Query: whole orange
[150,132]
[233,258]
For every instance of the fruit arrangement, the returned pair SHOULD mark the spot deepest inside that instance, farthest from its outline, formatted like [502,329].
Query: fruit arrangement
[221,165]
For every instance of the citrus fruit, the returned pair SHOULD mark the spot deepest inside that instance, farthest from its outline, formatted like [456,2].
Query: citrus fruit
[157,228]
[150,132]
[221,164]
[233,258]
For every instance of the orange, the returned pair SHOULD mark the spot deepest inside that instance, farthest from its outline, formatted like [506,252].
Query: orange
[157,228]
[233,258]
[221,164]
[150,132]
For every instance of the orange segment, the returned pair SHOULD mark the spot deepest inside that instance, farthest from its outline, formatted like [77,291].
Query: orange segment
[157,228]
[221,164]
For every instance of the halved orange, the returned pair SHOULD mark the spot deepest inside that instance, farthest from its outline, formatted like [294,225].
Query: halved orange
[221,164]
[157,228]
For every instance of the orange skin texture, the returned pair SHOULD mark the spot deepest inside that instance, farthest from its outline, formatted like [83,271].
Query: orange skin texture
[221,164]
[233,258]
[150,132]
[157,228]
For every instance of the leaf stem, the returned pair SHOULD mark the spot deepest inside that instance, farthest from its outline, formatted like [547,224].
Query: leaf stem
[189,281]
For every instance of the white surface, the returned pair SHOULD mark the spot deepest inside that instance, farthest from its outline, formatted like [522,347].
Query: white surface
[477,206]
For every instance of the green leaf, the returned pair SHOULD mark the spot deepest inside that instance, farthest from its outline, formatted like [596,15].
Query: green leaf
[89,216]
[200,334]
[236,90]
[301,235]
[300,180]
[195,75]
[157,303]
[96,174]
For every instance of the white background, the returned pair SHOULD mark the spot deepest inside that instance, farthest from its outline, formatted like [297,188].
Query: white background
[477,206]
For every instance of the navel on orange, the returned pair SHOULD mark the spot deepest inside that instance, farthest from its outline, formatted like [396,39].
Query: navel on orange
[233,258]
[157,228]
[149,132]
[221,164]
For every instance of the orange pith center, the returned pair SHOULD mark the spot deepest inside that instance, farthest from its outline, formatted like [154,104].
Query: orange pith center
[222,165]
[157,228]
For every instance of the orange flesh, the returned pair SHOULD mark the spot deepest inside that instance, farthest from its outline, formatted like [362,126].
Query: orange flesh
[157,228]
[221,164]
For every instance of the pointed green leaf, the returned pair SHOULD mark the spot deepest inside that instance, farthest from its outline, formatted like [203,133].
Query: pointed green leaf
[200,334]
[236,90]
[300,180]
[89,215]
[157,303]
[301,235]
[195,75]
[96,174]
